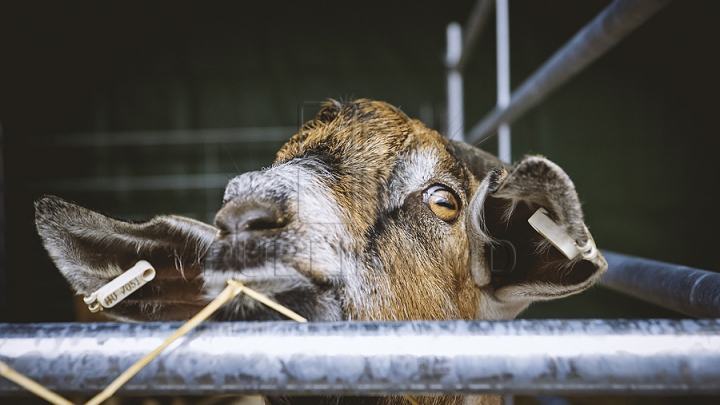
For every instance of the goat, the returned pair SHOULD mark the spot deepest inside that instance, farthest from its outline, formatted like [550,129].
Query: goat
[366,215]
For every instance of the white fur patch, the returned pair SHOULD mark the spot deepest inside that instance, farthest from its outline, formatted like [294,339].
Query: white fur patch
[414,173]
[319,233]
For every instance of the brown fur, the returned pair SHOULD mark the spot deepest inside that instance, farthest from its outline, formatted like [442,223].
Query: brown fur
[339,229]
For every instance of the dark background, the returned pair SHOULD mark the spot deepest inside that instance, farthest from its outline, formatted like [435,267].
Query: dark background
[637,131]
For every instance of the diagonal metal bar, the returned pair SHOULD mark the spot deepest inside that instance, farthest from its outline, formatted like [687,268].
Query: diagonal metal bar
[478,18]
[597,37]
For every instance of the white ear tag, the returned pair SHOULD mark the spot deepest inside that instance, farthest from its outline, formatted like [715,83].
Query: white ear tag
[559,238]
[120,287]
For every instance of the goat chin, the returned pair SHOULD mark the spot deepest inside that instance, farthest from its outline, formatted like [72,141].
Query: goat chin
[365,214]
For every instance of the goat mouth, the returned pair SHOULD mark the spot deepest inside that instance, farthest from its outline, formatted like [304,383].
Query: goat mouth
[217,278]
[255,257]
[284,273]
[312,301]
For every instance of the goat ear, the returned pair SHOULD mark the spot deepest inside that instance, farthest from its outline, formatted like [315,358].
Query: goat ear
[329,111]
[512,262]
[91,249]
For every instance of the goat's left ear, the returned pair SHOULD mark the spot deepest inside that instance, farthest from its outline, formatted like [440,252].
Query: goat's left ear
[511,261]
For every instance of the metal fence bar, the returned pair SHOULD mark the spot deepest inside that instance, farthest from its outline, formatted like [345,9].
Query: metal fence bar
[683,289]
[502,50]
[456,116]
[503,76]
[596,38]
[284,358]
[458,51]
[475,24]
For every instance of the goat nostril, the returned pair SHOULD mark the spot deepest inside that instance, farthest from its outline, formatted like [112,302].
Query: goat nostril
[256,221]
[223,226]
[249,217]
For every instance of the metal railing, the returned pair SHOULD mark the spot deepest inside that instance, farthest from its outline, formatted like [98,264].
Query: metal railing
[689,291]
[607,29]
[361,358]
[683,289]
[284,358]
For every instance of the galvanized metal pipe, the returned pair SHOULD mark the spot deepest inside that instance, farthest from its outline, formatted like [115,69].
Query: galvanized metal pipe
[503,76]
[522,356]
[456,117]
[601,34]
[683,289]
[459,48]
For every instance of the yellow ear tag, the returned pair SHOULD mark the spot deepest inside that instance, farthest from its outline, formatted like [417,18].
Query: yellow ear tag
[546,227]
[120,287]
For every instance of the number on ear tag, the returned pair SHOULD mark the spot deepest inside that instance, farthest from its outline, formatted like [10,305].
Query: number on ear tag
[120,287]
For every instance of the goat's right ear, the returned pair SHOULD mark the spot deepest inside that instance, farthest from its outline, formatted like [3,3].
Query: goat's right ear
[91,249]
[512,263]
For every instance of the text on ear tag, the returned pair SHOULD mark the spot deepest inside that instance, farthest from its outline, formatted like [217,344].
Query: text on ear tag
[120,287]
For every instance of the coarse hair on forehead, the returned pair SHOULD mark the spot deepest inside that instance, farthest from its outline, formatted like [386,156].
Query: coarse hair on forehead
[365,140]
[364,130]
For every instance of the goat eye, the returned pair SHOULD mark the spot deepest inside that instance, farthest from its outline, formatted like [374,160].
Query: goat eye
[442,203]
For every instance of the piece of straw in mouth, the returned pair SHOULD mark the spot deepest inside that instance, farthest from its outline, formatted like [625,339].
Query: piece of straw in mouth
[274,305]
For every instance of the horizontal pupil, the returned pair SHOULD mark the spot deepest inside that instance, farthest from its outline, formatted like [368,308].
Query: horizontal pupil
[443,202]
